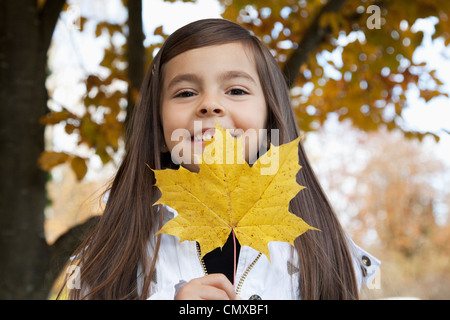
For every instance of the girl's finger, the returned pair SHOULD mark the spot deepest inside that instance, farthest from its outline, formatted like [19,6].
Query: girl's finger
[219,281]
[213,293]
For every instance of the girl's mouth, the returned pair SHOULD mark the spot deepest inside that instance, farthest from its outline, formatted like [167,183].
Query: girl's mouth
[208,133]
[205,135]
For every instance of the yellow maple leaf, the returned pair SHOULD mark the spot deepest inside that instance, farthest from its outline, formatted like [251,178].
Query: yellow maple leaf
[228,195]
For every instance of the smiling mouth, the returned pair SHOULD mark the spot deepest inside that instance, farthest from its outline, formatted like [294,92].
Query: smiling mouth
[205,135]
[208,133]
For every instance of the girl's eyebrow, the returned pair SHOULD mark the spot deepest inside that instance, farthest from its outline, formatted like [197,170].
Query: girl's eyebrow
[227,75]
[230,75]
[188,77]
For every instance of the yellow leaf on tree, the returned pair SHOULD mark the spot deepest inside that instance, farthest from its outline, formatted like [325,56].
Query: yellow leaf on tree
[228,195]
[79,167]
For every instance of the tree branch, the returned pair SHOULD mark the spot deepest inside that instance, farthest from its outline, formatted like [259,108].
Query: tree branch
[314,36]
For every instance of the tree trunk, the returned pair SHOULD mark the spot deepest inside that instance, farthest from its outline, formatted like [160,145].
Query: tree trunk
[135,54]
[28,265]
[26,33]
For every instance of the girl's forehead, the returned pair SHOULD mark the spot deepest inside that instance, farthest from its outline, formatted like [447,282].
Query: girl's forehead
[239,46]
[232,56]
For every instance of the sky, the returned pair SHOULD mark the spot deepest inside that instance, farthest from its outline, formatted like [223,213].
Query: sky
[77,55]
[176,15]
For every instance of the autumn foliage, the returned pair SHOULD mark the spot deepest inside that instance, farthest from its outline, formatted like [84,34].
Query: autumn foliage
[351,58]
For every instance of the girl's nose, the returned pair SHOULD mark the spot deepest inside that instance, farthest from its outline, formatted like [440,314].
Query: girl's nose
[210,109]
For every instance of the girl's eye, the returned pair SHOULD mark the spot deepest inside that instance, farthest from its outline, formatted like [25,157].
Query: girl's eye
[237,92]
[185,94]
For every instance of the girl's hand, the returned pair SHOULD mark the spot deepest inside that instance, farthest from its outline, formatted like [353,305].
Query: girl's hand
[210,287]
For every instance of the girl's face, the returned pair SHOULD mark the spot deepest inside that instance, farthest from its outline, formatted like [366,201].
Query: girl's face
[214,83]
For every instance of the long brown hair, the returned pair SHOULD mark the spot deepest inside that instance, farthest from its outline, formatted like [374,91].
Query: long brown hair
[110,256]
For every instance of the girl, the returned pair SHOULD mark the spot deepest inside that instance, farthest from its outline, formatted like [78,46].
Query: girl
[211,71]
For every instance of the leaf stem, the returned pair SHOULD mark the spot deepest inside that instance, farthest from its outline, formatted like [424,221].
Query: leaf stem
[234,259]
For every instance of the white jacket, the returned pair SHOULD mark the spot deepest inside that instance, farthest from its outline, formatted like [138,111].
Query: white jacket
[178,263]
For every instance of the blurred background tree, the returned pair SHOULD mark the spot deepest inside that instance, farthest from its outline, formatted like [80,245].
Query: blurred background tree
[397,197]
[348,58]
[391,195]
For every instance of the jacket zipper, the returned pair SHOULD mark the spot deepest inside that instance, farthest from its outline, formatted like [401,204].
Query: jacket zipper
[246,272]
[244,275]
[199,255]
